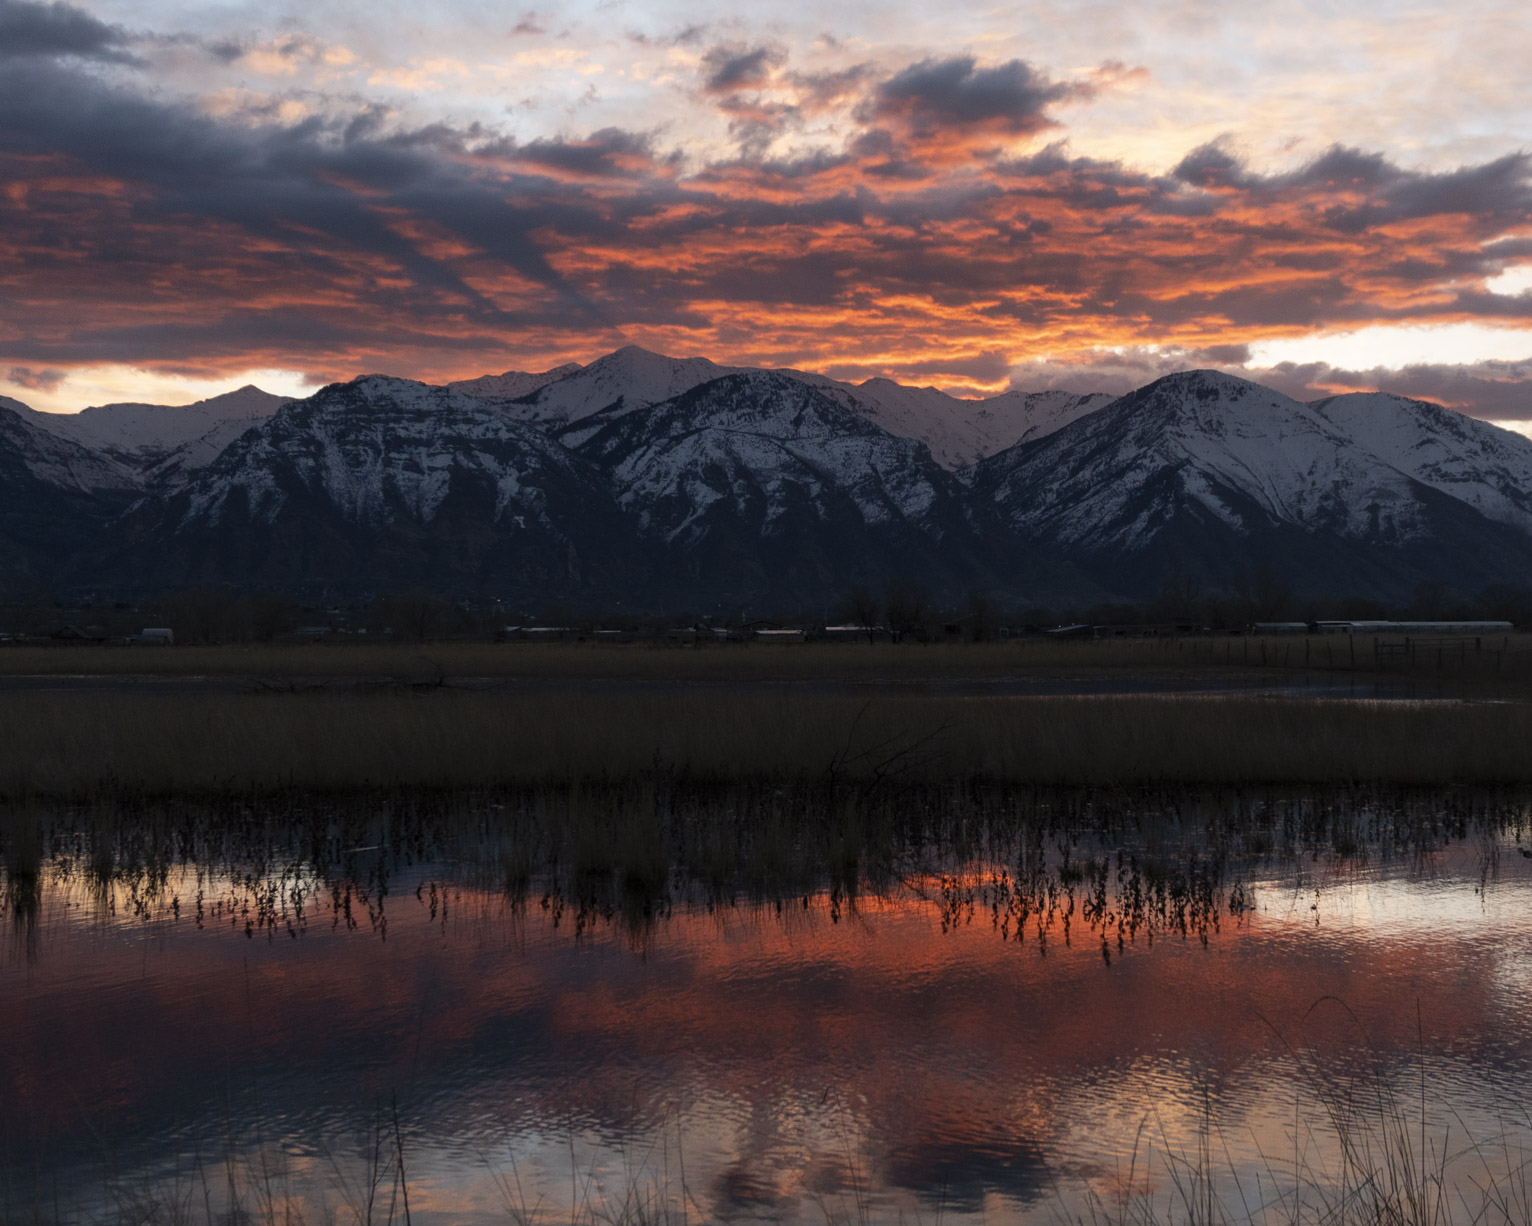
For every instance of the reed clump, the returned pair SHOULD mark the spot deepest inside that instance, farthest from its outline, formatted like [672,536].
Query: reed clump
[1031,861]
[21,854]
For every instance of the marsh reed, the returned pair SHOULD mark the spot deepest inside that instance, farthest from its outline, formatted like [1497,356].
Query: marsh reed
[107,745]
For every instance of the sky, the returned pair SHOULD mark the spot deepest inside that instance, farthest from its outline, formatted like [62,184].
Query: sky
[1324,197]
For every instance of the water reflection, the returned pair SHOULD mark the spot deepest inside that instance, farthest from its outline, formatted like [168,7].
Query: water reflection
[1027,1027]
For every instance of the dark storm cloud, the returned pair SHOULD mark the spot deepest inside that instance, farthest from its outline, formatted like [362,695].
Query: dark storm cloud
[35,380]
[732,67]
[611,152]
[321,189]
[1498,390]
[956,92]
[819,89]
[1211,166]
[296,49]
[234,333]
[1367,189]
[28,29]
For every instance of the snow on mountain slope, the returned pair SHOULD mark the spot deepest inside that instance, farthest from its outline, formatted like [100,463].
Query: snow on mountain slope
[174,467]
[1022,417]
[758,484]
[760,435]
[55,500]
[628,379]
[1220,444]
[53,459]
[958,432]
[383,484]
[1204,475]
[1483,465]
[513,384]
[379,448]
[142,435]
[924,414]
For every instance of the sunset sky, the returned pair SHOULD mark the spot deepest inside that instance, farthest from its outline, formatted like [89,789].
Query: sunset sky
[198,195]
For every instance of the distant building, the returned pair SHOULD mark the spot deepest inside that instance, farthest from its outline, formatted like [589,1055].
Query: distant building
[1392,627]
[539,634]
[779,636]
[852,633]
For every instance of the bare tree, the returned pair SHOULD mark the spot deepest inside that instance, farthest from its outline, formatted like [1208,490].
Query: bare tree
[983,621]
[268,615]
[1179,598]
[909,610]
[1431,600]
[201,614]
[1505,603]
[862,608]
[414,614]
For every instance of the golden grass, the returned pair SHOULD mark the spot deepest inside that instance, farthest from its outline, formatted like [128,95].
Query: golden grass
[80,745]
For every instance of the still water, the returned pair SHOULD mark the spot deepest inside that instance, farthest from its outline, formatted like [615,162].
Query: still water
[287,1044]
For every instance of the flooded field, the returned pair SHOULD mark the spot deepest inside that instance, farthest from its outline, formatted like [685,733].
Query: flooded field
[775,1006]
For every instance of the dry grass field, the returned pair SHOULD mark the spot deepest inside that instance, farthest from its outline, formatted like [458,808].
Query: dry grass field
[331,717]
[1501,661]
[104,745]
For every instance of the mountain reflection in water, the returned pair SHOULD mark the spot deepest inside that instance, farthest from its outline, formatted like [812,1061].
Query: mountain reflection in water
[280,1043]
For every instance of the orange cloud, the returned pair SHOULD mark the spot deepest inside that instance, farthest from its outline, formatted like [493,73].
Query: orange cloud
[142,231]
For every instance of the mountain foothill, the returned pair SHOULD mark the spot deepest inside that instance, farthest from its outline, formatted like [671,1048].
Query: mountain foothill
[645,482]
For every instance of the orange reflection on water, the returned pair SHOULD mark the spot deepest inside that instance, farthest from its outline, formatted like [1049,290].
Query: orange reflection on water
[791,1053]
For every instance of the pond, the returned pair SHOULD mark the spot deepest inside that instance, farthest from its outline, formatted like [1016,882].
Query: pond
[1258,1011]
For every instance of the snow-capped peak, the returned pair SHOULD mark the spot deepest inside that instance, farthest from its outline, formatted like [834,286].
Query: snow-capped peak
[149,437]
[376,447]
[54,459]
[958,431]
[625,380]
[513,384]
[1483,465]
[1203,439]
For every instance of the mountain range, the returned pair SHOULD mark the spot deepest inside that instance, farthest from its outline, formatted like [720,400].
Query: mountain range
[648,482]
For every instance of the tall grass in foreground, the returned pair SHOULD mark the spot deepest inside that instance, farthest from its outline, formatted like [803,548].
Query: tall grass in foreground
[127,744]
[1364,1152]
